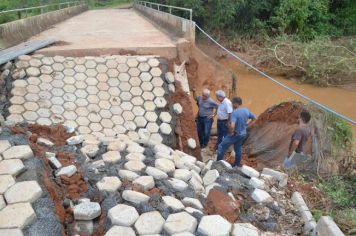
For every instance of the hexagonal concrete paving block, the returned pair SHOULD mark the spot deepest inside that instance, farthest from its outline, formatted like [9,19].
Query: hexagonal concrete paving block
[151,116]
[153,62]
[157,82]
[145,76]
[149,223]
[17,215]
[26,191]
[122,214]
[140,121]
[165,117]
[160,102]
[132,62]
[109,184]
[165,128]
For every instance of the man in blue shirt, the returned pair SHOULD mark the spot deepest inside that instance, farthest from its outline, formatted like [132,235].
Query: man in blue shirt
[207,110]
[237,130]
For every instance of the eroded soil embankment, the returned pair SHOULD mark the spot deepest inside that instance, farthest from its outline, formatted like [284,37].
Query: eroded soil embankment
[62,190]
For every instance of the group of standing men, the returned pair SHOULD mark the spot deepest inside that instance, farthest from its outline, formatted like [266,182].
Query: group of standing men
[232,121]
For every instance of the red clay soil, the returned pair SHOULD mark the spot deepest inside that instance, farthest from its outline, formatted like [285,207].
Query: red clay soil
[69,187]
[57,134]
[220,203]
[286,112]
[185,126]
[269,137]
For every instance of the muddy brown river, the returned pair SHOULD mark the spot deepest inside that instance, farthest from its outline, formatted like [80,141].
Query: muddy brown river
[260,93]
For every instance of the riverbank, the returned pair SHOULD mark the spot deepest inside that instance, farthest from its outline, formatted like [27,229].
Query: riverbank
[259,93]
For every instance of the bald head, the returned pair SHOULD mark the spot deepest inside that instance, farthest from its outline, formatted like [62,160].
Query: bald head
[206,93]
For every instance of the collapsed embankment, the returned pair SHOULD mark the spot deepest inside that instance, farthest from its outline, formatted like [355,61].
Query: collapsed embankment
[269,138]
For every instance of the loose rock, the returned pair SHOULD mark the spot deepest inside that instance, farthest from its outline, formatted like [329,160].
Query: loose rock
[75,140]
[156,173]
[210,177]
[45,142]
[86,211]
[249,171]
[90,150]
[261,196]
[177,108]
[135,197]
[191,143]
[67,171]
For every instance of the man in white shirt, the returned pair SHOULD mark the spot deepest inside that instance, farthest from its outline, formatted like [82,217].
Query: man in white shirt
[223,114]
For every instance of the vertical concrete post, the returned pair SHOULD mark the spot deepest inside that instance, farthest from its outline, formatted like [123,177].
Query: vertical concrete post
[305,213]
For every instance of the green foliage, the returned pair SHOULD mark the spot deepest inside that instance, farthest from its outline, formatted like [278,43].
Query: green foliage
[340,190]
[97,4]
[340,131]
[306,19]
[18,4]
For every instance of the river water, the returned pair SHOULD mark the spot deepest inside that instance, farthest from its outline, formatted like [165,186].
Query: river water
[259,93]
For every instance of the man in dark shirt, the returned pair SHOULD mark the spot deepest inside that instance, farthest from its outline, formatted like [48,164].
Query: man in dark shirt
[207,110]
[299,138]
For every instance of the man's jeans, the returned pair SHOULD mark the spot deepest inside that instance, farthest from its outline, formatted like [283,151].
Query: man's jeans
[204,128]
[223,131]
[237,141]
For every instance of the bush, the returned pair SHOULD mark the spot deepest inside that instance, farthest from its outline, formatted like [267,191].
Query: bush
[306,19]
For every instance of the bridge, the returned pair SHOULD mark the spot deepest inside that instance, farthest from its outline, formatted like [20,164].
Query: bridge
[99,135]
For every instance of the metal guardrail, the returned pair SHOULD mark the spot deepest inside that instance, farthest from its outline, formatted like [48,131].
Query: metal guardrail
[159,7]
[42,8]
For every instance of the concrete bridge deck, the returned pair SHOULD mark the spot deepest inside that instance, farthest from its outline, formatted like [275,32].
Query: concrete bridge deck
[111,31]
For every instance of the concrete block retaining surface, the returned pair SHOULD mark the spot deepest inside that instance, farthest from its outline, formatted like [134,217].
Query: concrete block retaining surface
[18,31]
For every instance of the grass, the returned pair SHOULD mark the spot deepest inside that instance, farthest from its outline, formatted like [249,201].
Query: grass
[341,192]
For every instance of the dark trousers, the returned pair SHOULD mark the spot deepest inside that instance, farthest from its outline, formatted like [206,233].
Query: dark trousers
[237,141]
[223,130]
[204,128]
